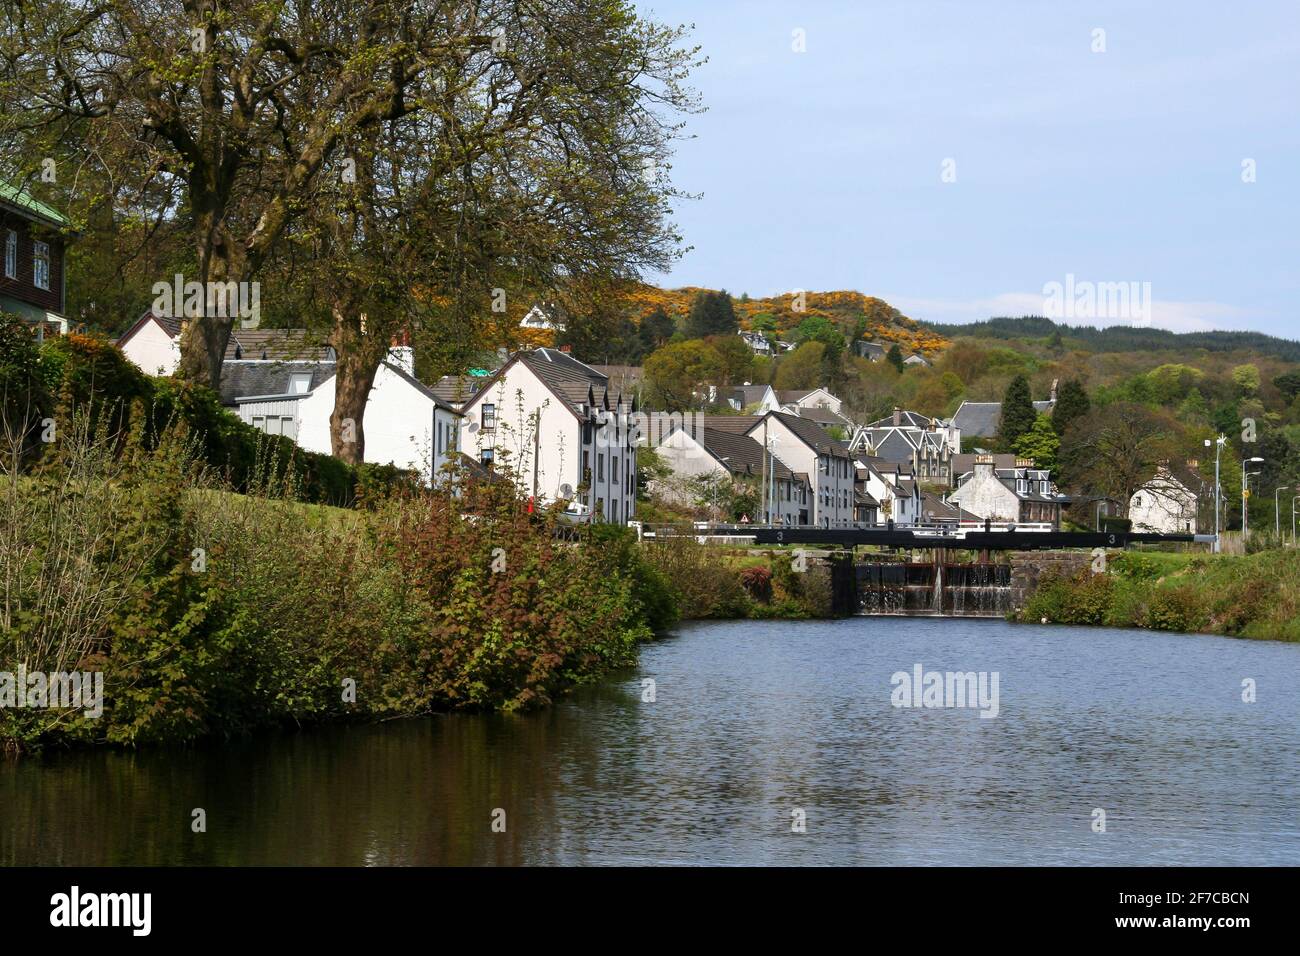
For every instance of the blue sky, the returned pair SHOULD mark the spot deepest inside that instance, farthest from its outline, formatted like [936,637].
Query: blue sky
[824,169]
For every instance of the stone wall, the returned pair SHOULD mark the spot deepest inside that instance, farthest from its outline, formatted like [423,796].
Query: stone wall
[1028,567]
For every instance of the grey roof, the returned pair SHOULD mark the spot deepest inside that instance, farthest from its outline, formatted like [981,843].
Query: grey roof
[423,389]
[282,344]
[870,349]
[823,417]
[912,419]
[738,424]
[245,379]
[966,462]
[745,394]
[744,455]
[574,383]
[457,389]
[809,432]
[980,419]
[892,444]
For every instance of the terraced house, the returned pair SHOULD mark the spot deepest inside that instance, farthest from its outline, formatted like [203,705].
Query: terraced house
[34,239]
[559,430]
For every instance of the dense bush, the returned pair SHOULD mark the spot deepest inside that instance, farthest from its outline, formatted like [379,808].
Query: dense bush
[212,613]
[1083,598]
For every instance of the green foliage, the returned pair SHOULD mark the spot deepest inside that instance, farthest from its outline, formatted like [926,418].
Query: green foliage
[1246,378]
[1018,414]
[1040,443]
[712,313]
[895,357]
[1081,599]
[1071,402]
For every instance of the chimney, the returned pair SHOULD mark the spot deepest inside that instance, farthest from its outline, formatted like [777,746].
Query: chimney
[898,416]
[983,466]
[566,349]
[1052,395]
[1024,463]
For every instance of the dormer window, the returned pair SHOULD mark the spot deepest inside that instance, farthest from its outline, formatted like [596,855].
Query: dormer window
[300,383]
[41,265]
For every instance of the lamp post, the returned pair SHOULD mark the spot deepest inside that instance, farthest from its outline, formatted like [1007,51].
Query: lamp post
[1245,494]
[1294,499]
[1277,513]
[1218,491]
[1100,503]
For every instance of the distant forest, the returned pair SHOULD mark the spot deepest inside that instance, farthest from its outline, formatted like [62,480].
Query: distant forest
[1120,338]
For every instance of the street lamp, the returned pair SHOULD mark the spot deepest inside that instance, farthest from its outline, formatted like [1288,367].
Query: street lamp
[1245,494]
[723,460]
[1218,492]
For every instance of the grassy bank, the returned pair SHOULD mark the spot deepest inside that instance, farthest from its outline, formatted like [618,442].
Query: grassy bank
[1252,596]
[213,612]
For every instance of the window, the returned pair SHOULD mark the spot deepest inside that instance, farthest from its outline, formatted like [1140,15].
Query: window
[586,466]
[613,468]
[41,265]
[488,422]
[11,255]
[600,467]
[1137,501]
[300,383]
[485,457]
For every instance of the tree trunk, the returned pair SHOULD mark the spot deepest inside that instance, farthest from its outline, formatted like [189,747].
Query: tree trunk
[359,354]
[204,339]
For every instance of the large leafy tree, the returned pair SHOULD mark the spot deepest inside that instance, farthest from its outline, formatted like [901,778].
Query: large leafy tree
[677,377]
[529,119]
[1113,450]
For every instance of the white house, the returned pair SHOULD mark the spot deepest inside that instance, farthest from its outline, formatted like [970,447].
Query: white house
[806,448]
[893,486]
[1022,494]
[809,398]
[706,452]
[1167,503]
[153,343]
[757,342]
[405,424]
[557,427]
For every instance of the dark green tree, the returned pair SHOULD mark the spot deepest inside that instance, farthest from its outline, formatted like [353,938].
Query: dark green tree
[712,313]
[656,329]
[1018,415]
[1071,402]
[1288,383]
[895,357]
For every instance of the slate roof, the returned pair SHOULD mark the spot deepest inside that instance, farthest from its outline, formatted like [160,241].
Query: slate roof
[965,462]
[746,394]
[905,418]
[810,433]
[277,344]
[246,379]
[744,455]
[574,383]
[457,389]
[980,419]
[870,350]
[823,417]
[738,424]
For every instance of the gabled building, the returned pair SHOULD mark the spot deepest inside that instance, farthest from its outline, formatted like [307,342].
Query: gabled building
[784,497]
[809,398]
[405,424]
[539,320]
[555,425]
[1169,502]
[757,342]
[872,351]
[926,444]
[805,448]
[1021,494]
[743,398]
[893,486]
[153,343]
[34,239]
[981,419]
[825,418]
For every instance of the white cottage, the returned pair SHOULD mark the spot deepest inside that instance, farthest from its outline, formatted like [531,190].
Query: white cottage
[558,428]
[1167,503]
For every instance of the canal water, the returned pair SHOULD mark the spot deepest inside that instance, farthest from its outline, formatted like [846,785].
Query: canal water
[754,728]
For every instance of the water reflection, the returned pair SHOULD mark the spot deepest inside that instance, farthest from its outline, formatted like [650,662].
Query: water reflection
[750,721]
